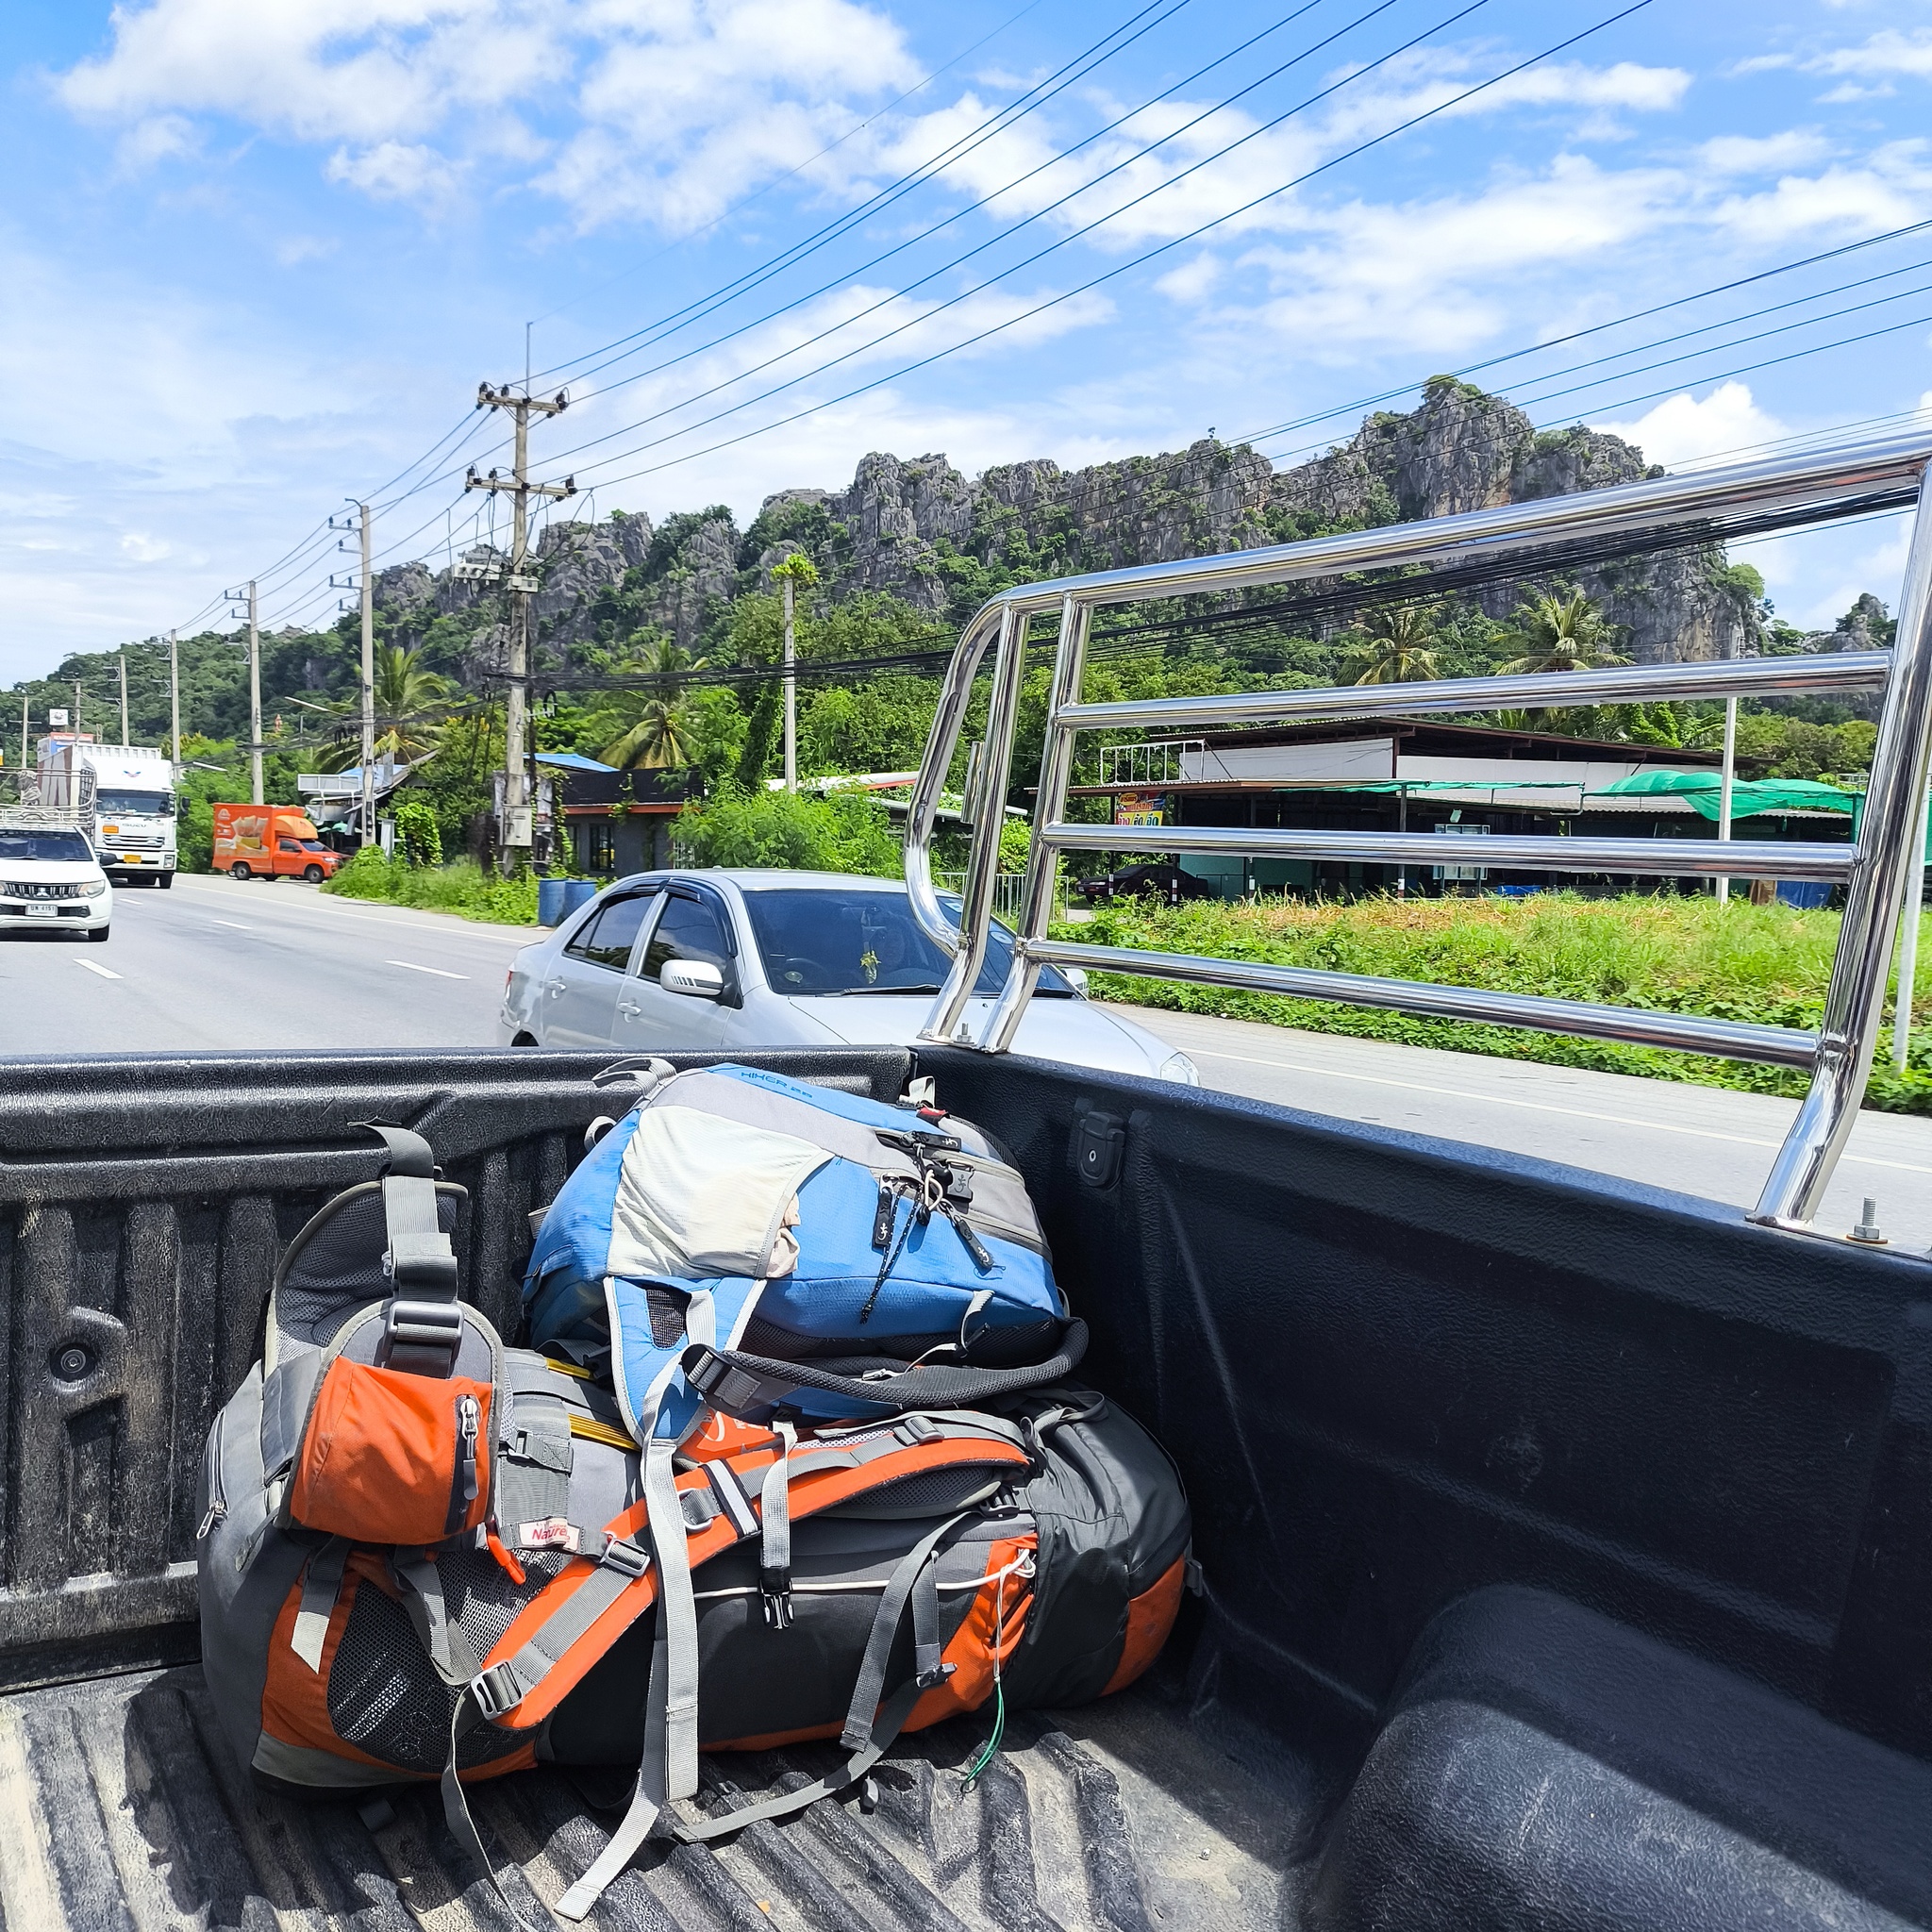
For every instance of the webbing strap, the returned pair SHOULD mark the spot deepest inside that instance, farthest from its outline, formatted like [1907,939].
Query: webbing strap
[322,1584]
[464,1719]
[885,1729]
[678,1619]
[860,1716]
[420,1584]
[775,1559]
[647,1800]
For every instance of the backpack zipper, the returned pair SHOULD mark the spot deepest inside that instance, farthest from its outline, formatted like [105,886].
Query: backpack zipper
[463,1488]
[217,1493]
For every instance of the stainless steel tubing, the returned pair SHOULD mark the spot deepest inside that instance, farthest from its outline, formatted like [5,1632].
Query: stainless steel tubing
[1664,858]
[1043,861]
[956,694]
[1544,690]
[1855,1000]
[983,862]
[1840,1055]
[1779,1046]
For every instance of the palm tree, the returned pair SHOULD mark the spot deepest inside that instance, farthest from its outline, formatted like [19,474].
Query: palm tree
[1393,647]
[662,736]
[1555,633]
[411,700]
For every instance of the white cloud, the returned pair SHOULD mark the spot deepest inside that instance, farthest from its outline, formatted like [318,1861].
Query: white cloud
[1885,57]
[1743,153]
[159,138]
[1681,429]
[397,170]
[293,249]
[144,548]
[1892,187]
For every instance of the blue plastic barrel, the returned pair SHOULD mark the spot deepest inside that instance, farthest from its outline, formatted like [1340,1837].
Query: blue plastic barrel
[579,893]
[553,903]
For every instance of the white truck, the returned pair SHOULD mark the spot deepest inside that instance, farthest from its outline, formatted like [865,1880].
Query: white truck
[123,796]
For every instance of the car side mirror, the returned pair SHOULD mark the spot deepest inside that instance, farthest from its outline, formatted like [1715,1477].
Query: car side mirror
[697,979]
[1076,977]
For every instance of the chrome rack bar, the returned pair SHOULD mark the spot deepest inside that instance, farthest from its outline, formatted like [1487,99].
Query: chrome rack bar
[1816,484]
[1780,1046]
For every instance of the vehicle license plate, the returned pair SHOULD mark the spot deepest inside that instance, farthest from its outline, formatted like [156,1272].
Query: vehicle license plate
[43,913]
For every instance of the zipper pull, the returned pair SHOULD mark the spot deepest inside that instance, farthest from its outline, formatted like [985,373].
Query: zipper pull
[217,1510]
[469,1419]
[884,1216]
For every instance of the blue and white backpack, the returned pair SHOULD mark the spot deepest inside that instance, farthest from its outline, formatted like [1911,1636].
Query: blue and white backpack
[762,1245]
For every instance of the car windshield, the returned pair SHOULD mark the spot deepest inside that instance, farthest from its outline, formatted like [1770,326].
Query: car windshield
[864,940]
[70,847]
[121,803]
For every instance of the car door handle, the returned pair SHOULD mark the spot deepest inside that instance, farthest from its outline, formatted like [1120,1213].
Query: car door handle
[553,986]
[629,1008]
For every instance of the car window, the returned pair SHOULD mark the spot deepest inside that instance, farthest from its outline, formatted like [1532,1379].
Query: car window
[45,845]
[608,939]
[287,845]
[690,929]
[864,941]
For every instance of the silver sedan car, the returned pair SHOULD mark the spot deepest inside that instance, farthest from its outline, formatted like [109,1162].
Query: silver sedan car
[734,960]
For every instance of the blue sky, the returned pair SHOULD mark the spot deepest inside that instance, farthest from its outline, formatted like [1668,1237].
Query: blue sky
[256,256]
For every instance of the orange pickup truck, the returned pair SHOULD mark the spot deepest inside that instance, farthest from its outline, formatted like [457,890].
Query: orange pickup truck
[270,842]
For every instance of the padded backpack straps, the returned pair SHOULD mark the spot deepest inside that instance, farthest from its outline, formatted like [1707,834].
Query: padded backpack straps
[422,1324]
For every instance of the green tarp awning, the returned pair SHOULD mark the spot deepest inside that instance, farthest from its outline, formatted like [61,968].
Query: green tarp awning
[1750,797]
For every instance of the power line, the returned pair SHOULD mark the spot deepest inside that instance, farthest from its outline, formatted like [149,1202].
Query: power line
[1595,329]
[1014,111]
[744,202]
[1139,261]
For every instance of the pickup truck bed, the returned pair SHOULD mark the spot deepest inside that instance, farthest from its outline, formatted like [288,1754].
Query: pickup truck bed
[1567,1545]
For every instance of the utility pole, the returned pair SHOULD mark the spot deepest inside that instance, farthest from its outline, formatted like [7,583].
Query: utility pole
[124,700]
[368,688]
[76,707]
[26,754]
[1723,790]
[254,697]
[516,831]
[790,687]
[174,696]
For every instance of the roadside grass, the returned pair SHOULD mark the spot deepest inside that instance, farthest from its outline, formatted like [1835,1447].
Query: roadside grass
[1763,963]
[463,889]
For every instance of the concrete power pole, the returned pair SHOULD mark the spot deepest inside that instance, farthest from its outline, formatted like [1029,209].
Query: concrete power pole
[124,700]
[517,833]
[790,687]
[174,696]
[368,812]
[254,697]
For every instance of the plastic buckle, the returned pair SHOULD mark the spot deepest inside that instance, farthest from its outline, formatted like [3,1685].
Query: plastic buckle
[914,1429]
[932,1679]
[775,1586]
[417,1331]
[623,1555]
[496,1691]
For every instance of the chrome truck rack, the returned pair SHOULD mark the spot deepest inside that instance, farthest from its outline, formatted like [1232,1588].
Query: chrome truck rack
[1782,491]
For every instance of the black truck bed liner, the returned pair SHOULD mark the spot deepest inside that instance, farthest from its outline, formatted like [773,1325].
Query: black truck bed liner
[122,1810]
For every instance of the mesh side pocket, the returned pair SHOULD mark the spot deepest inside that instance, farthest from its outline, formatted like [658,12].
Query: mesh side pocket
[385,1697]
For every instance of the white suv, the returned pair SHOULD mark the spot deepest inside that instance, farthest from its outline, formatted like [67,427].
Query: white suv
[50,880]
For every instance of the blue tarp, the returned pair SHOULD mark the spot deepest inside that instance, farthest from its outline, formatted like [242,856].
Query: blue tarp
[572,761]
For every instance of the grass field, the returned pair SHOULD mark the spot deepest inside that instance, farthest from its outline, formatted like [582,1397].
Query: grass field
[1765,963]
[462,888]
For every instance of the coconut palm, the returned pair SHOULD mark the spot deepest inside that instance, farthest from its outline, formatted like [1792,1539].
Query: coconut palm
[410,702]
[1393,647]
[1553,633]
[662,737]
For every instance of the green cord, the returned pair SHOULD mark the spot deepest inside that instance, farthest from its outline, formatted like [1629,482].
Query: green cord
[978,1768]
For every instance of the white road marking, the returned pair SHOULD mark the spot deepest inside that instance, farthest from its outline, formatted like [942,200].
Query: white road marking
[413,967]
[452,927]
[1578,1113]
[235,923]
[106,971]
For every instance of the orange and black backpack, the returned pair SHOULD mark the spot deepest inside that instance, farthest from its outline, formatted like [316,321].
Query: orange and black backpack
[425,1555]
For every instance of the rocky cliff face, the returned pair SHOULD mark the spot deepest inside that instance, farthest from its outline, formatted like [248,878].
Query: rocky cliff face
[923,531]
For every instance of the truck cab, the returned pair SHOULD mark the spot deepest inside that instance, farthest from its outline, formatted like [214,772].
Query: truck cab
[270,842]
[123,796]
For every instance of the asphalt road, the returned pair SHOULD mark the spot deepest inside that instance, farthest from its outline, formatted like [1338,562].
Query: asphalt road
[1695,1140]
[213,964]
